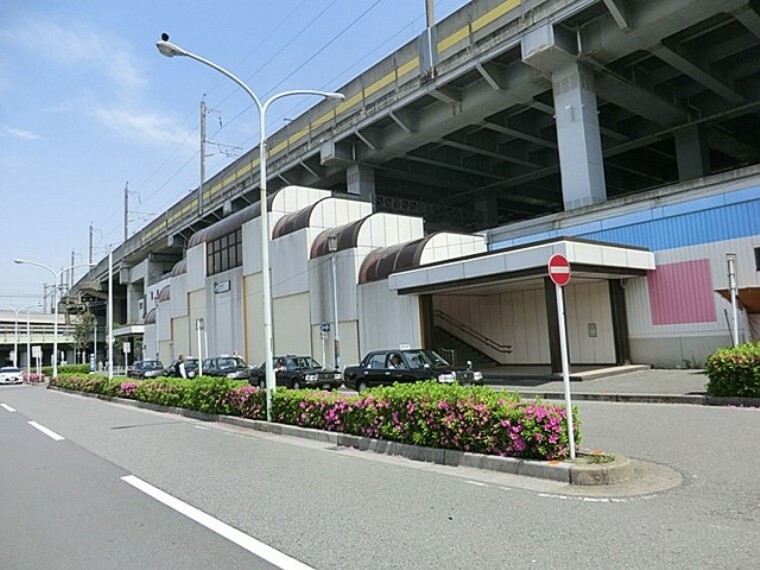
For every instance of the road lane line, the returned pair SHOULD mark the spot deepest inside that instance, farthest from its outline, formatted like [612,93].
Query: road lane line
[243,540]
[7,407]
[48,432]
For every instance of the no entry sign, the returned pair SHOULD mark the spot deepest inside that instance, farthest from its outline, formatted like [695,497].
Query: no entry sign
[559,269]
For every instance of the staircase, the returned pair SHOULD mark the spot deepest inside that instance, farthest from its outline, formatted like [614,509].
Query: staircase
[444,341]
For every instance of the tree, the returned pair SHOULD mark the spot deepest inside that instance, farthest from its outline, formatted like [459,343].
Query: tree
[81,330]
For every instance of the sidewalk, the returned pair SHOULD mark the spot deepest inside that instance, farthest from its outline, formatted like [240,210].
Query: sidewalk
[615,385]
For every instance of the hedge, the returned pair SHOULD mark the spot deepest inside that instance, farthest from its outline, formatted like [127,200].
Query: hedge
[425,413]
[735,372]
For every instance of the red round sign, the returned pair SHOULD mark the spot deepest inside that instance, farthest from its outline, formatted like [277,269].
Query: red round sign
[559,269]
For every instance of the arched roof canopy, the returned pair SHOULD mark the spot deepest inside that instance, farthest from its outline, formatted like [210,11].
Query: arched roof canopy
[348,236]
[230,224]
[165,294]
[150,317]
[384,261]
[180,268]
[295,221]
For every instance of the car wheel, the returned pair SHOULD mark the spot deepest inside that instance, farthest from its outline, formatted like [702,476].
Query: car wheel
[296,385]
[361,387]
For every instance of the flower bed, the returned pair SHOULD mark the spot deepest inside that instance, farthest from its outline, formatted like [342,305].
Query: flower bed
[735,372]
[427,413]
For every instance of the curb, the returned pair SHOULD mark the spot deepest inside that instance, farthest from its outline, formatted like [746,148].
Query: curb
[617,471]
[697,399]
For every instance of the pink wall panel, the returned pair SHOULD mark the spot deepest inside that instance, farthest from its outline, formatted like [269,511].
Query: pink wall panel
[682,293]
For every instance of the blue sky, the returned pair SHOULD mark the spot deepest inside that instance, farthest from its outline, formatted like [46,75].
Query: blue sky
[87,105]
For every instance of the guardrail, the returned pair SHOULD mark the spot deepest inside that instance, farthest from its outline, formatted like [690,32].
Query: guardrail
[473,334]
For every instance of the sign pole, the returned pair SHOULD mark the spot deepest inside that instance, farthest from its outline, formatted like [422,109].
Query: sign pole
[559,273]
[565,368]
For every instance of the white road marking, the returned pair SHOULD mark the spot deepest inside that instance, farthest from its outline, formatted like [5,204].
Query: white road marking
[7,407]
[202,428]
[46,431]
[243,540]
[476,483]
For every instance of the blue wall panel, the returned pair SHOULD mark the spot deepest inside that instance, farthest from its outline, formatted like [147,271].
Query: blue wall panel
[706,220]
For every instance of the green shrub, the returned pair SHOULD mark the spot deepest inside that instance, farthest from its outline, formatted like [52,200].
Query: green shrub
[67,369]
[210,395]
[735,372]
[425,413]
[436,415]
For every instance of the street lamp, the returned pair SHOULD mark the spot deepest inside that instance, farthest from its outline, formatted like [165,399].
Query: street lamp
[57,275]
[332,246]
[15,341]
[170,50]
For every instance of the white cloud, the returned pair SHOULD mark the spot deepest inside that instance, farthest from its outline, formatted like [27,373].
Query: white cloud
[6,131]
[149,127]
[79,45]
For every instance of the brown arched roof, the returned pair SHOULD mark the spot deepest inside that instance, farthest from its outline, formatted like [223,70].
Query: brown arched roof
[179,268]
[231,223]
[165,294]
[348,235]
[382,262]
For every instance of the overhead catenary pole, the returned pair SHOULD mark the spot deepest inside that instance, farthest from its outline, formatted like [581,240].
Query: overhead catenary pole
[90,258]
[126,211]
[203,155]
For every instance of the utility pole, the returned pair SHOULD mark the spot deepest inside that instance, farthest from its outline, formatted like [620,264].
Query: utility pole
[126,211]
[203,155]
[71,270]
[90,259]
[427,47]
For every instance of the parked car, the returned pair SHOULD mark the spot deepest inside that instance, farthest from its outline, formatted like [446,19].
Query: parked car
[386,367]
[10,375]
[298,372]
[227,367]
[191,368]
[146,369]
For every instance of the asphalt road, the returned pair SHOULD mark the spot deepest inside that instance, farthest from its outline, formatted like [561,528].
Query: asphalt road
[335,508]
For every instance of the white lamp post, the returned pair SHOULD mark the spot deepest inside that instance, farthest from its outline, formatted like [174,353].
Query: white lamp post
[57,275]
[170,50]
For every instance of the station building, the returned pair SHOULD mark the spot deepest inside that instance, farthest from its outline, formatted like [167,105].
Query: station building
[620,134]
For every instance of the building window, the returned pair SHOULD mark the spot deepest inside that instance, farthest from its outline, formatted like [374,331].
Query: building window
[224,253]
[757,259]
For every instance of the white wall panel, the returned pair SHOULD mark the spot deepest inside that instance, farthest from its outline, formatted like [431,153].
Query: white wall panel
[179,296]
[196,267]
[181,337]
[291,327]
[387,319]
[224,325]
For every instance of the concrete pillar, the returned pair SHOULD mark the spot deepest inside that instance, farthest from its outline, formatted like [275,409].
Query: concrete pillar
[553,51]
[486,206]
[580,145]
[692,153]
[361,182]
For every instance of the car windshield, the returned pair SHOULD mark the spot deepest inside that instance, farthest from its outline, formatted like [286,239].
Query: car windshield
[306,362]
[9,369]
[152,365]
[232,362]
[419,358]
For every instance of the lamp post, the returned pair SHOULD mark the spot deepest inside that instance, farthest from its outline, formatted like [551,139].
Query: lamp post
[332,246]
[170,50]
[15,338]
[57,275]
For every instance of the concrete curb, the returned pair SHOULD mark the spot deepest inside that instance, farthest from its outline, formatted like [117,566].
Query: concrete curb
[573,474]
[697,399]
